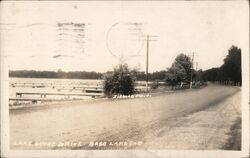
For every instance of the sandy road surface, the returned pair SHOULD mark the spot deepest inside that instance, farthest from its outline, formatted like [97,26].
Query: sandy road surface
[181,120]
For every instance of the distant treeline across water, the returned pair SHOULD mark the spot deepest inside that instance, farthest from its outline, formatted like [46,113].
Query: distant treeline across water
[55,74]
[140,76]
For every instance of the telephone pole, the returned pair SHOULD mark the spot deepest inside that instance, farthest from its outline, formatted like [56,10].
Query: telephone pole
[148,40]
[191,80]
[192,67]
[147,63]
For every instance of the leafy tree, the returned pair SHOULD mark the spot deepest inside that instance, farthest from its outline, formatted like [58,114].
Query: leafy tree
[232,64]
[211,74]
[120,81]
[180,71]
[175,74]
[198,75]
[229,71]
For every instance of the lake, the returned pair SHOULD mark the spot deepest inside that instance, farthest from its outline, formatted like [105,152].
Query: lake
[64,86]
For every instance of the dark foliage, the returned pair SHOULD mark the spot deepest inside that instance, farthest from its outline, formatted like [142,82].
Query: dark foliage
[232,65]
[230,71]
[53,74]
[140,76]
[180,71]
[119,82]
[158,75]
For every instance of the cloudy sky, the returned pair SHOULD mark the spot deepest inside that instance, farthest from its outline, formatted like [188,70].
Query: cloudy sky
[94,36]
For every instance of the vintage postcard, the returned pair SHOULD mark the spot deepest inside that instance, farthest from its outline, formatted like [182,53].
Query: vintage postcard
[124,79]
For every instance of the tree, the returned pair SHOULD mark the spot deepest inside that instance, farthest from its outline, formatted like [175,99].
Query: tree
[229,71]
[119,82]
[180,71]
[211,74]
[175,74]
[198,75]
[232,64]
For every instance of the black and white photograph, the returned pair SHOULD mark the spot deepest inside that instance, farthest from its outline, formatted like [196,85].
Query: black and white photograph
[124,78]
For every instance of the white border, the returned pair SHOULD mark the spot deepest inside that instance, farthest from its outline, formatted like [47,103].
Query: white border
[6,152]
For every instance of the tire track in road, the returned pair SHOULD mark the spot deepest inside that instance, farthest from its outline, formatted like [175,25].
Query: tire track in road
[159,129]
[140,119]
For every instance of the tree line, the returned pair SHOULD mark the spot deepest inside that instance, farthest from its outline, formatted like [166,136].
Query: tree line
[55,74]
[180,71]
[229,71]
[121,80]
[139,75]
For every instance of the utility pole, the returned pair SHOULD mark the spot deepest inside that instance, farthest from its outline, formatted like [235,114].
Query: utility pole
[191,80]
[148,40]
[147,63]
[192,67]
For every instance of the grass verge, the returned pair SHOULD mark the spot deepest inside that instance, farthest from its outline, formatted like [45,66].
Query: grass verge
[234,142]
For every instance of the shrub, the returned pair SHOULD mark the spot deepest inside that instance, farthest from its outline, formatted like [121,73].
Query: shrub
[119,82]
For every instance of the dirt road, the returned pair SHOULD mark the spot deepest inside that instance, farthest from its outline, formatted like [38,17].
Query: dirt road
[189,119]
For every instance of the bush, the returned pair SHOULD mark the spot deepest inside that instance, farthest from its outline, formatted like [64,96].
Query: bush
[119,82]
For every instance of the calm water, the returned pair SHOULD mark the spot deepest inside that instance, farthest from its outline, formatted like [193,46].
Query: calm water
[51,85]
